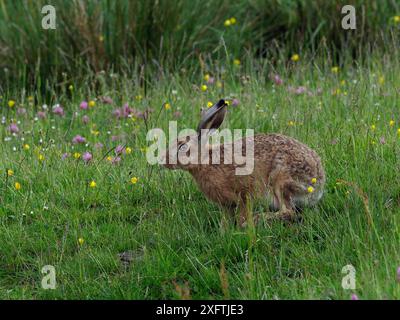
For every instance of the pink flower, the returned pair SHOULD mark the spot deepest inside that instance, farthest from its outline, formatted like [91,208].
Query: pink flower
[58,110]
[115,138]
[83,105]
[98,145]
[117,113]
[235,102]
[21,111]
[65,156]
[177,114]
[210,80]
[41,114]
[126,110]
[85,119]
[107,100]
[119,150]
[277,80]
[300,90]
[87,156]
[13,128]
[116,160]
[78,139]
[354,297]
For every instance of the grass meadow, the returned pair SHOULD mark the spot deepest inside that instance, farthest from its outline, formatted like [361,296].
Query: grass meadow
[76,189]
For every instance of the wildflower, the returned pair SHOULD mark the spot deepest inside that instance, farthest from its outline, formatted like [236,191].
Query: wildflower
[343,82]
[354,297]
[101,38]
[310,189]
[71,87]
[232,20]
[11,103]
[81,241]
[87,156]
[21,111]
[398,131]
[206,77]
[336,92]
[134,180]
[381,80]
[396,19]
[77,155]
[41,114]
[26,147]
[209,104]
[277,80]
[40,157]
[17,186]
[10,172]
[235,102]
[138,97]
[236,62]
[391,123]
[119,149]
[93,184]
[31,98]
[167,106]
[13,128]
[85,119]
[78,139]
[314,180]
[335,69]
[177,114]
[227,23]
[98,145]
[219,84]
[128,150]
[83,105]
[291,123]
[64,156]
[58,110]
[92,103]
[203,88]
[295,57]
[116,160]
[373,127]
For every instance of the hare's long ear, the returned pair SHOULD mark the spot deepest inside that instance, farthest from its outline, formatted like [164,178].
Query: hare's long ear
[213,117]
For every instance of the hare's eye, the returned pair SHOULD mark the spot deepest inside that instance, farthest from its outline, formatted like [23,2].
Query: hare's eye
[183,147]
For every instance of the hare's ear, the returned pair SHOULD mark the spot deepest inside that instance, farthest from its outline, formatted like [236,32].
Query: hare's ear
[213,117]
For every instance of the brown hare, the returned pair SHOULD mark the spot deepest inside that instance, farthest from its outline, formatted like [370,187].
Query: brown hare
[285,170]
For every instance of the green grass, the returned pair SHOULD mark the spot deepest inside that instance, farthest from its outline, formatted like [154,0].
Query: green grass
[179,239]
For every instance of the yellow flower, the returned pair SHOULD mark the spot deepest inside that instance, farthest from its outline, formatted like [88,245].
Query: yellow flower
[26,147]
[209,104]
[398,131]
[95,132]
[40,157]
[167,106]
[236,62]
[101,38]
[291,123]
[71,87]
[10,172]
[219,84]
[109,158]
[77,155]
[314,180]
[17,186]
[93,184]
[134,180]
[295,57]
[92,103]
[11,103]
[128,150]
[227,23]
[373,127]
[396,19]
[232,20]
[335,69]
[381,80]
[310,189]
[206,77]
[343,82]
[203,88]
[336,92]
[138,97]
[81,241]
[391,123]
[30,99]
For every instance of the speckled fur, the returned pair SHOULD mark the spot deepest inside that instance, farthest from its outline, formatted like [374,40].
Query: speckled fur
[283,169]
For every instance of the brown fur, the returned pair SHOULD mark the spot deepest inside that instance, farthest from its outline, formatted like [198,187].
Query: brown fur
[283,168]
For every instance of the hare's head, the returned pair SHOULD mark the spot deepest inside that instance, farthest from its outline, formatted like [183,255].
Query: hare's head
[188,150]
